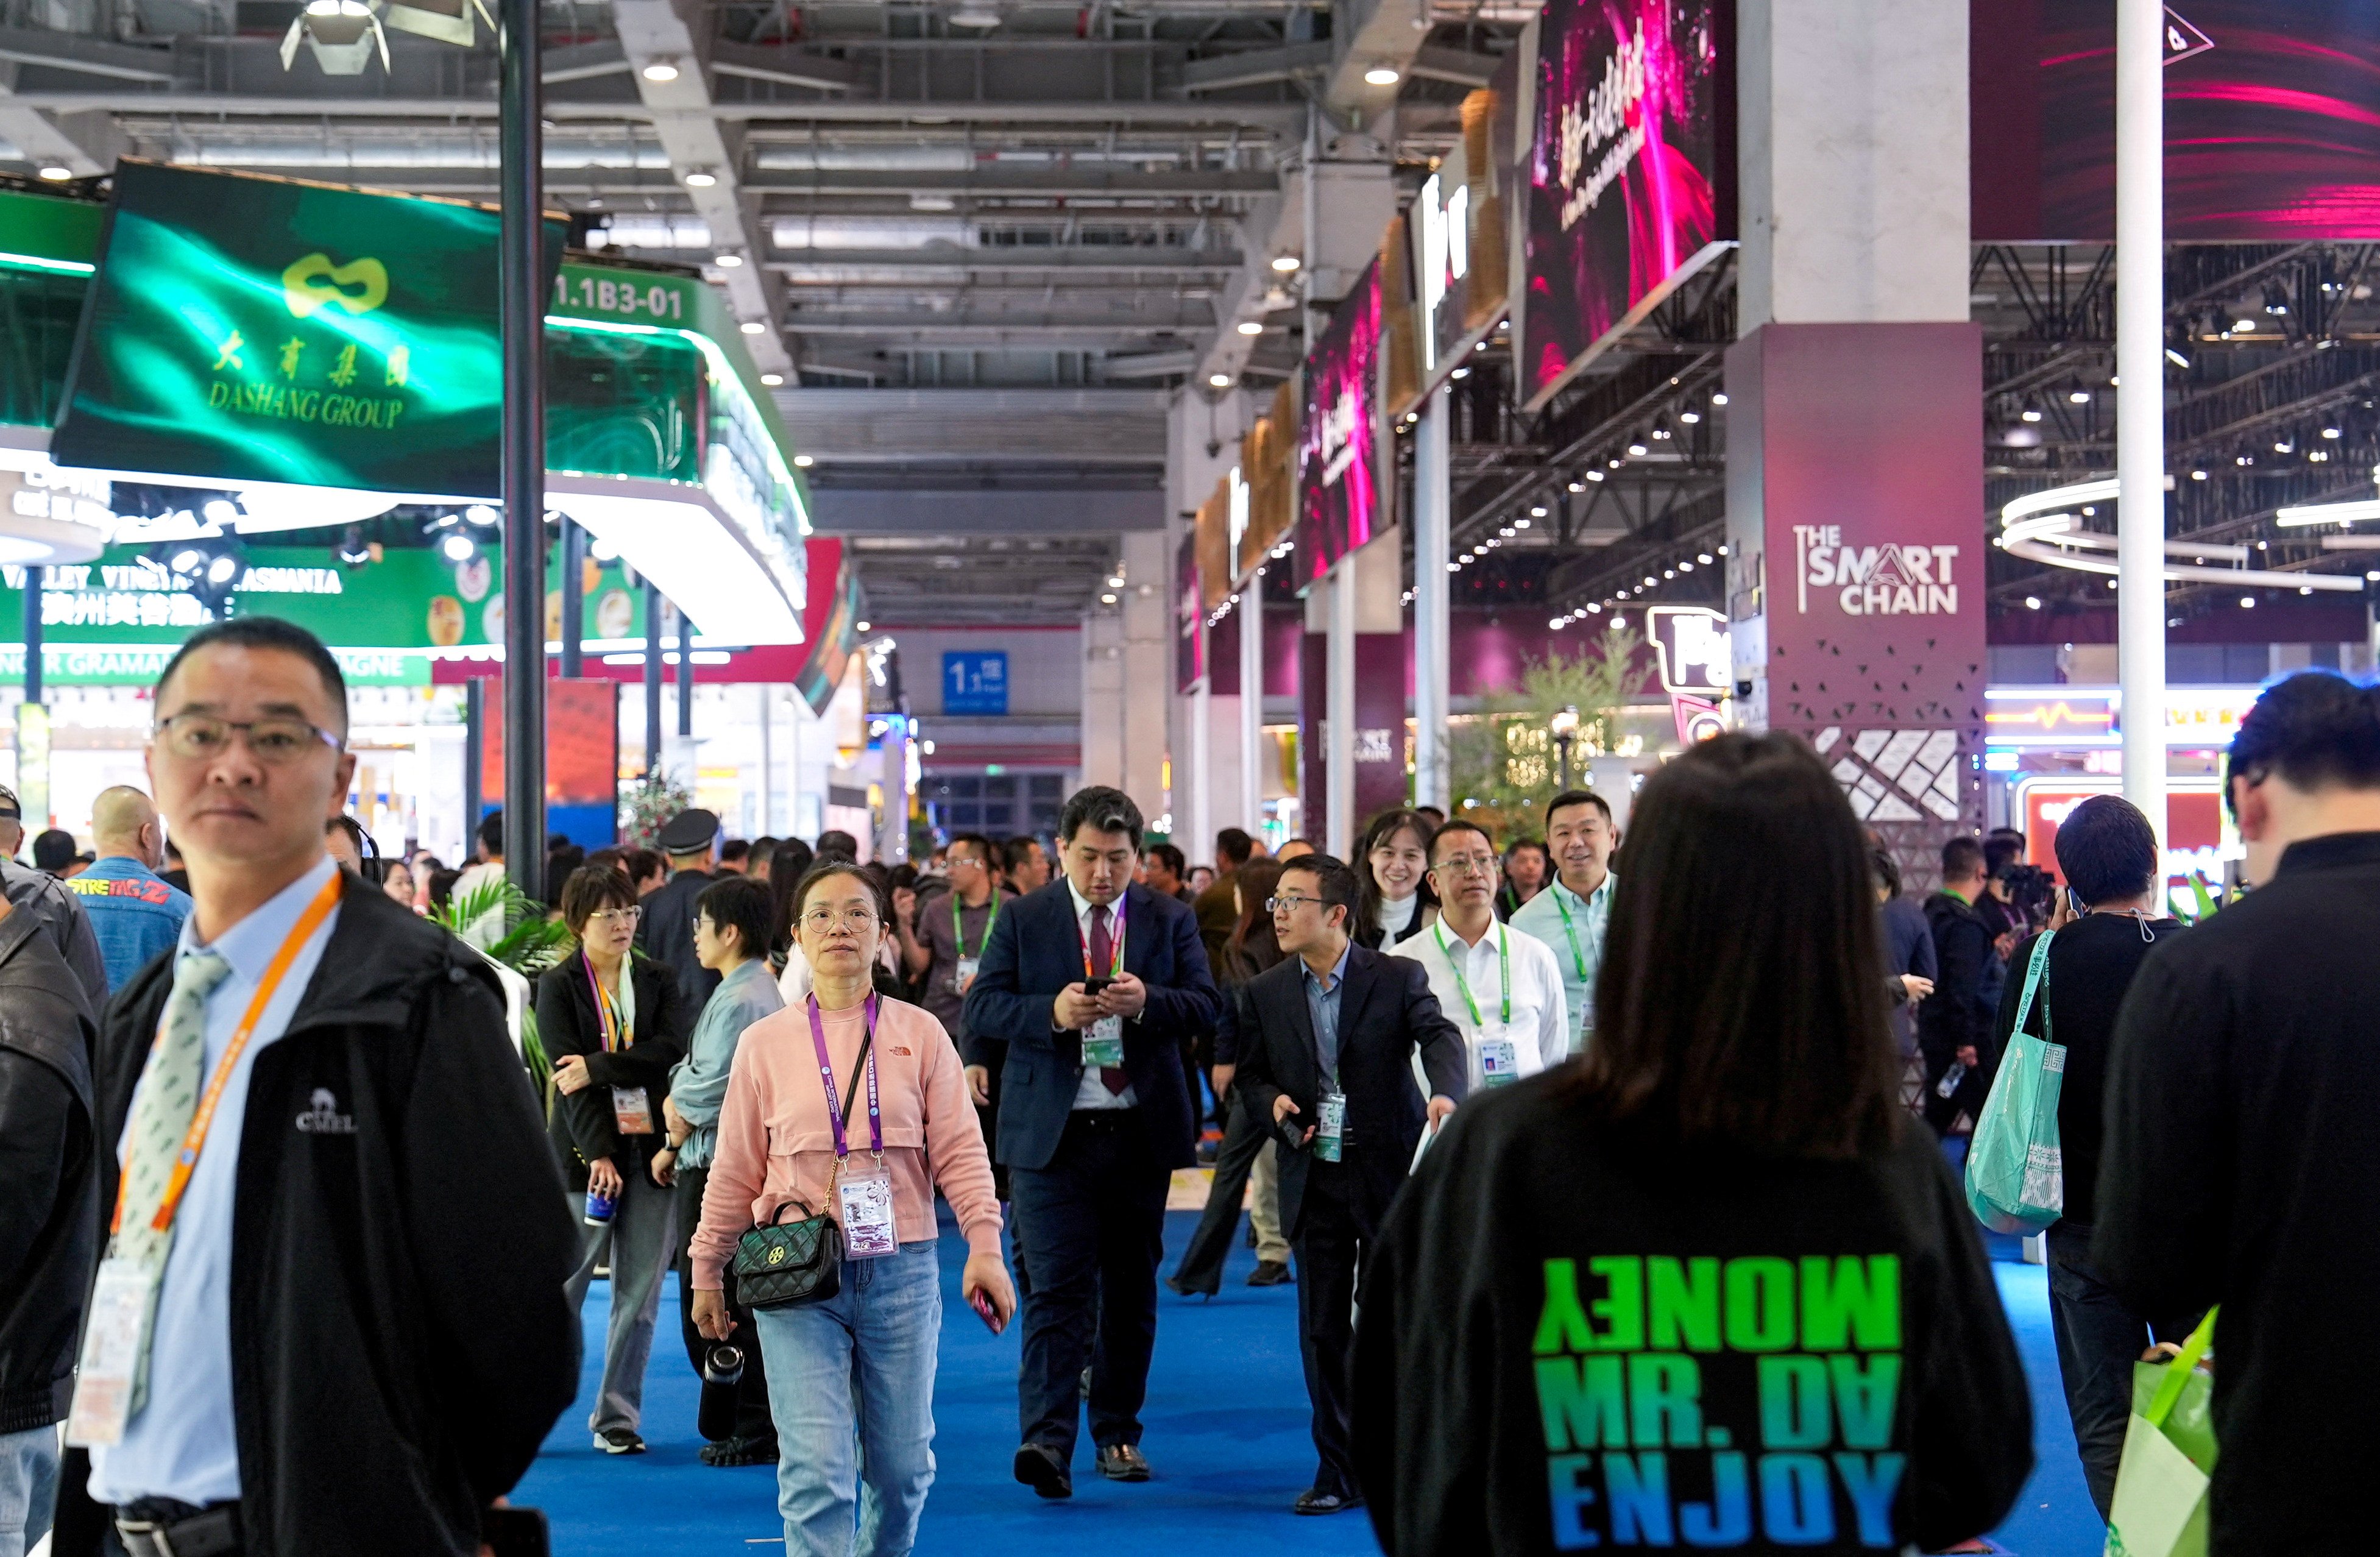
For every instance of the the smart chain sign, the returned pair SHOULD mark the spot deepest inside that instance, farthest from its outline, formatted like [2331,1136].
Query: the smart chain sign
[259,329]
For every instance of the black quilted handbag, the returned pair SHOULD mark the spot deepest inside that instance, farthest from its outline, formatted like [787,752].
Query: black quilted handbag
[783,1264]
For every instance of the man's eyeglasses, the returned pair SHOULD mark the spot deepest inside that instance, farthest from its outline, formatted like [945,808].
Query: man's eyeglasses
[1468,865]
[821,920]
[200,737]
[1277,905]
[621,916]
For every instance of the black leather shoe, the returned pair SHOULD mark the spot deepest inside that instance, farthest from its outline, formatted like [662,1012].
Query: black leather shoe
[1123,1462]
[1269,1272]
[1173,1283]
[740,1451]
[1314,1500]
[1038,1467]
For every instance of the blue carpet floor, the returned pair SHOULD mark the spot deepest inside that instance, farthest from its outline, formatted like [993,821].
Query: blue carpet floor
[1226,1432]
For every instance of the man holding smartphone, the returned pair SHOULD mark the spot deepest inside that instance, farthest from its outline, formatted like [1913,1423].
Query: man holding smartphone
[1091,982]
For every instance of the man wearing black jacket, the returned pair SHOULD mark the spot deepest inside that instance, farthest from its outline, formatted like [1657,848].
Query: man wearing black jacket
[360,1335]
[1326,1046]
[2241,1159]
[49,1214]
[1954,1025]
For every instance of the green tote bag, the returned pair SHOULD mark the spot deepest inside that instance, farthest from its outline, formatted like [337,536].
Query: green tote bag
[2016,1171]
[2169,1457]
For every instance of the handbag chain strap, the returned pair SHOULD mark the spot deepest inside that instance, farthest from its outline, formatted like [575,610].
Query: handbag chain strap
[858,1070]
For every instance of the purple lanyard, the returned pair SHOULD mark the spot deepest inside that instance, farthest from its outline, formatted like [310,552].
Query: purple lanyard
[833,1099]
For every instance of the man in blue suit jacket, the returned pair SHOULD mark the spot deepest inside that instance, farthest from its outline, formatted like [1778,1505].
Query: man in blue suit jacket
[1095,1116]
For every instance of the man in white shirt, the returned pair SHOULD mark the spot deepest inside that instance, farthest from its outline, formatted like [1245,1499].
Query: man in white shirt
[284,1097]
[1571,913]
[1500,985]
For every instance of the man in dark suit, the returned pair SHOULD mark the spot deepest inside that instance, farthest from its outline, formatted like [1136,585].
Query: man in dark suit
[1090,982]
[666,930]
[1326,1041]
[1218,908]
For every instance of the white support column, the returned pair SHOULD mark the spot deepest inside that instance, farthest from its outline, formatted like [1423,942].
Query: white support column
[1194,829]
[1432,596]
[1252,674]
[1339,716]
[2139,399]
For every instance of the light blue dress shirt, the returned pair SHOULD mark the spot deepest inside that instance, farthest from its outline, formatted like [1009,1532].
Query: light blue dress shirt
[698,1082]
[1576,942]
[184,1444]
[1322,1007]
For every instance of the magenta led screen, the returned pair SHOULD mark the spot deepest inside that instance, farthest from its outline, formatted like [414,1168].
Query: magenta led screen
[1338,442]
[2272,120]
[1630,174]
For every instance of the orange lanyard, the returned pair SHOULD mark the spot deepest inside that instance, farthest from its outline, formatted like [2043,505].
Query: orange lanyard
[194,1139]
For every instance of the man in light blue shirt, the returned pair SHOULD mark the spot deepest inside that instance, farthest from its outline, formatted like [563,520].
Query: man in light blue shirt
[135,913]
[1571,913]
[731,939]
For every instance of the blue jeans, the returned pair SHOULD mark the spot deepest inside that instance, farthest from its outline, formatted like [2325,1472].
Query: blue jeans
[851,1385]
[28,1485]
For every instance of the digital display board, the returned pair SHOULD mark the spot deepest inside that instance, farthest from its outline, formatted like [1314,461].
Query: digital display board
[262,329]
[1629,184]
[1339,463]
[2270,134]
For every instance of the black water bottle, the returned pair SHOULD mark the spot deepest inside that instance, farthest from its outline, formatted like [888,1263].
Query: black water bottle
[723,1370]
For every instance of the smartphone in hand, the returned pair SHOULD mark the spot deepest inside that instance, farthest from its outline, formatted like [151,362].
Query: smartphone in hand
[985,1311]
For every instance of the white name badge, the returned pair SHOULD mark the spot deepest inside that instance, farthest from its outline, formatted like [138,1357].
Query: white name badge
[632,1111]
[867,1229]
[1103,1046]
[123,1307]
[1329,1126]
[1500,1061]
[964,975]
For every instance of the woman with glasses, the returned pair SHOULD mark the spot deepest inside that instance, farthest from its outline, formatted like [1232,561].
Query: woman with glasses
[1393,900]
[851,1106]
[1712,1285]
[612,1023]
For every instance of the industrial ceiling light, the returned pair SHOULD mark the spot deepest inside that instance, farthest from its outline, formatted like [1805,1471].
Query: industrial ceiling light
[2032,411]
[1251,326]
[700,180]
[1382,76]
[804,461]
[1662,433]
[448,22]
[352,551]
[1704,558]
[458,547]
[1285,263]
[753,327]
[1218,381]
[728,261]
[2078,396]
[772,380]
[660,71]
[1595,475]
[1581,486]
[57,173]
[1637,449]
[936,204]
[2334,431]
[1719,397]
[341,34]
[1690,416]
[981,16]
[484,517]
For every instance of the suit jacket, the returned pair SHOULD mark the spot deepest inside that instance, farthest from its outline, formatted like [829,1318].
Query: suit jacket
[666,935]
[1036,951]
[1386,1015]
[582,1125]
[1218,908]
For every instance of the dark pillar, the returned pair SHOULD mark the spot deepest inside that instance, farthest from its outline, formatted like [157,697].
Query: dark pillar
[33,632]
[475,759]
[574,604]
[684,672]
[521,271]
[652,678]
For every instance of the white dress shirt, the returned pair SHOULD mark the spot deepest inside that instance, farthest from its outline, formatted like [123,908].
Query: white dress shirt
[1539,1025]
[184,1444]
[1092,1092]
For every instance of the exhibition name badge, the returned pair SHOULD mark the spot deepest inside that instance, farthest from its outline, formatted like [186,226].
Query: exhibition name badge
[865,1195]
[1103,1046]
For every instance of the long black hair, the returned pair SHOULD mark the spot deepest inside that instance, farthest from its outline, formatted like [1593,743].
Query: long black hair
[1365,923]
[1789,1054]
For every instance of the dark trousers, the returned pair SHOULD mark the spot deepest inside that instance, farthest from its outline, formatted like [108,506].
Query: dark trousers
[1967,1097]
[1202,1262]
[1092,1224]
[2099,1339]
[752,1419]
[1336,1224]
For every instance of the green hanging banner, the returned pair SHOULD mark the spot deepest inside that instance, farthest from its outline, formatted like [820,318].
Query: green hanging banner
[261,329]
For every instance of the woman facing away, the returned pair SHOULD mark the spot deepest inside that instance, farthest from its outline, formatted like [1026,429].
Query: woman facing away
[850,1106]
[1710,1286]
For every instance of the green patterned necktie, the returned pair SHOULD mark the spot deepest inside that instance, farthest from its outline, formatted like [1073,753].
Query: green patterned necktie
[161,1116]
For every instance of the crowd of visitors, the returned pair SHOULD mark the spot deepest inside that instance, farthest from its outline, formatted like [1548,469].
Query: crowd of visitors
[1617,1180]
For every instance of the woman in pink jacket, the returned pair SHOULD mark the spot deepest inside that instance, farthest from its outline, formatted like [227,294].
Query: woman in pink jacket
[851,1378]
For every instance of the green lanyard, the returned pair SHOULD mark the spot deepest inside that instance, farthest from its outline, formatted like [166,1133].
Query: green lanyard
[959,935]
[1503,973]
[1570,930]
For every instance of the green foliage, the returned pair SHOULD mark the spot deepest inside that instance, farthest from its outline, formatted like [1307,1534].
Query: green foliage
[646,806]
[1504,762]
[528,942]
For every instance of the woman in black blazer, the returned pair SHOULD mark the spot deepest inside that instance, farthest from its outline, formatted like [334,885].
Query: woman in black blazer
[612,1023]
